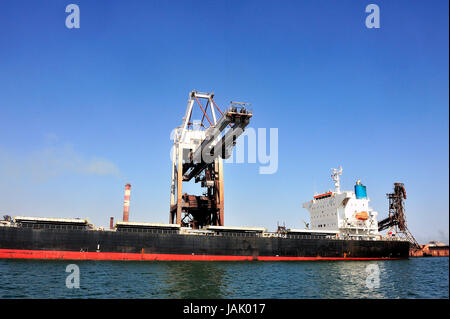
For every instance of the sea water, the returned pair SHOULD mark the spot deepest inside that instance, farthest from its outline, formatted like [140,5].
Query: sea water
[412,278]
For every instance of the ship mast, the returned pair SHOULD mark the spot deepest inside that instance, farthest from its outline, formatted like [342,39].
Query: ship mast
[335,176]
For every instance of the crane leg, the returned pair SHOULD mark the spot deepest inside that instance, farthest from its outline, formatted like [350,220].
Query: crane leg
[179,185]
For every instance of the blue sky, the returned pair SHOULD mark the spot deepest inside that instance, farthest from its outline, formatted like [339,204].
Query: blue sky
[84,111]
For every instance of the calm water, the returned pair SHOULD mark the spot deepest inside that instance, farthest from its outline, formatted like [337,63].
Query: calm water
[414,278]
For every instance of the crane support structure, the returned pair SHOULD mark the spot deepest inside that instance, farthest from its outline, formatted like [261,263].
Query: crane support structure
[198,154]
[397,218]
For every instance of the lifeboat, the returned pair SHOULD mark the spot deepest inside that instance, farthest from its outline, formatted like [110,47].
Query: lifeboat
[362,216]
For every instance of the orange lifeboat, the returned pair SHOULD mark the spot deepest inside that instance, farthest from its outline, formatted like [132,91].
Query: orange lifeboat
[362,216]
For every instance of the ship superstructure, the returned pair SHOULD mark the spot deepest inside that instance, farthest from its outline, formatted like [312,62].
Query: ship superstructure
[347,213]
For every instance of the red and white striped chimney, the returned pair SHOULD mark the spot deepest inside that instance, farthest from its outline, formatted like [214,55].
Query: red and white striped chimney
[126,202]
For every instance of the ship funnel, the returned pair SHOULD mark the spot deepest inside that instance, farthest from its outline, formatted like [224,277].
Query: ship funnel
[126,202]
[360,190]
[111,223]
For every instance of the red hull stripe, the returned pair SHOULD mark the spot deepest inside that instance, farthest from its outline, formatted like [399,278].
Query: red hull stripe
[317,196]
[75,255]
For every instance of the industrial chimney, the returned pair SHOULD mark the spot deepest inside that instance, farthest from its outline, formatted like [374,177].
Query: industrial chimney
[126,203]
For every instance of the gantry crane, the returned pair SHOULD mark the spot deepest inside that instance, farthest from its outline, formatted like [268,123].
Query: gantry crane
[397,219]
[198,154]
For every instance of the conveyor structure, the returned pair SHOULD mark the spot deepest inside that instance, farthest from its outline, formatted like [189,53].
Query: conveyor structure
[198,154]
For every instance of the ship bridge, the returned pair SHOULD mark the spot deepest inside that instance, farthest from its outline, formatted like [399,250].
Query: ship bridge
[345,212]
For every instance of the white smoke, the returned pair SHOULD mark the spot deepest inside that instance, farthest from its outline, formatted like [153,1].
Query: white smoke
[53,162]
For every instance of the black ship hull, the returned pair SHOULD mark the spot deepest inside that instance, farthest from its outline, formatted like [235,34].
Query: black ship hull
[17,242]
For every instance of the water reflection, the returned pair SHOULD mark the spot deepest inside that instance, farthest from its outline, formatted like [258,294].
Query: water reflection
[350,279]
[195,279]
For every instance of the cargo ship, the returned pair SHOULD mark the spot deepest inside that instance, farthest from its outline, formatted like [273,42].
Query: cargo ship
[343,227]
[342,224]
